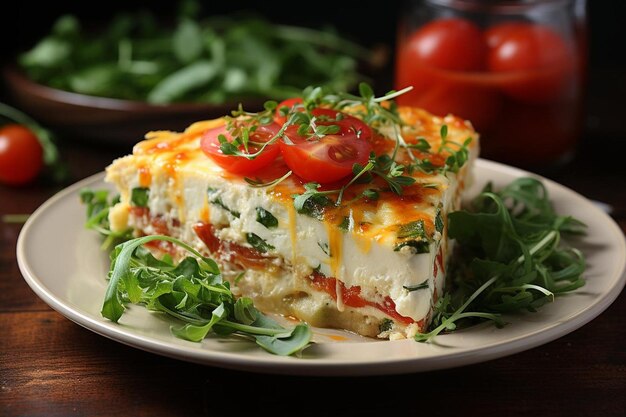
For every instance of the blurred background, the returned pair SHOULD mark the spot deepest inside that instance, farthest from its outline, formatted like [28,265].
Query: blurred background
[369,25]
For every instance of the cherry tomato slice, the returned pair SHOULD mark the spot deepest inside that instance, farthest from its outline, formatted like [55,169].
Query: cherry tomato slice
[21,155]
[279,118]
[346,122]
[237,164]
[331,157]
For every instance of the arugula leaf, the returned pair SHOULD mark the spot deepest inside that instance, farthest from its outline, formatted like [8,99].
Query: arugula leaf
[288,344]
[196,333]
[193,292]
[511,257]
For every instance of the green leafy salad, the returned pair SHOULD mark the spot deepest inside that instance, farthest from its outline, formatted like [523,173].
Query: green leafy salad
[192,59]
[510,258]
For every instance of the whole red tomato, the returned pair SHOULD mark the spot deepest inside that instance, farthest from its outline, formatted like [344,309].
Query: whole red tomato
[430,54]
[21,155]
[452,44]
[540,58]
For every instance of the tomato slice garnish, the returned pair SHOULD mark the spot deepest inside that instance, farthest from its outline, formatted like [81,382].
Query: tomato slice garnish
[328,158]
[281,119]
[238,164]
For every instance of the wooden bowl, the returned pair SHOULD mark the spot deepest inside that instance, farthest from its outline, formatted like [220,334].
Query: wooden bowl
[106,121]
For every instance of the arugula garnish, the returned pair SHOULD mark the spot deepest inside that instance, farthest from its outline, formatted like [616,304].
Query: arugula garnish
[98,203]
[510,257]
[193,292]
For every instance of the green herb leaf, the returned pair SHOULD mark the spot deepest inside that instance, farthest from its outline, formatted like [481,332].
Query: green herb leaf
[345,224]
[424,285]
[266,218]
[412,230]
[385,325]
[256,183]
[215,199]
[139,196]
[418,246]
[312,201]
[439,219]
[258,243]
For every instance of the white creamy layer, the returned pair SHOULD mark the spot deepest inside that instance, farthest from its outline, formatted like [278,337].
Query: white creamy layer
[299,239]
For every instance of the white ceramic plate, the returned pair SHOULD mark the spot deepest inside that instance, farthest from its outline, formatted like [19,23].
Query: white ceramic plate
[63,264]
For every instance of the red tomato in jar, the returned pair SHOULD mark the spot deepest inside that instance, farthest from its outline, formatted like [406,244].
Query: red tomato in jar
[447,44]
[21,155]
[431,60]
[540,58]
[241,165]
[452,44]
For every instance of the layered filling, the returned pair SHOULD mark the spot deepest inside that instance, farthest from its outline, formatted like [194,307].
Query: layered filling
[362,268]
[374,264]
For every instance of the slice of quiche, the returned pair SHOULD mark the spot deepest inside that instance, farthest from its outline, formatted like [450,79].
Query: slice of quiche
[330,209]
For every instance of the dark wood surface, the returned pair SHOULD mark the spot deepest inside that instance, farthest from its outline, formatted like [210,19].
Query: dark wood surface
[50,366]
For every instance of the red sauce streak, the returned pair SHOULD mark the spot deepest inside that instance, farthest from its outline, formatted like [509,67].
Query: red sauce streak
[352,297]
[160,227]
[229,251]
[439,259]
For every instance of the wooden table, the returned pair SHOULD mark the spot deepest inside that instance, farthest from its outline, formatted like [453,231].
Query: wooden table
[50,366]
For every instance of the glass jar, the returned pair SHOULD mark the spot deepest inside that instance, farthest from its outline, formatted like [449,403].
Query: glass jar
[514,69]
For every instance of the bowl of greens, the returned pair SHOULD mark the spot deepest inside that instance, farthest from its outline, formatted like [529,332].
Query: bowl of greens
[137,73]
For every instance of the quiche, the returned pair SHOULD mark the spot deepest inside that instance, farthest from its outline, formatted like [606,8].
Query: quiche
[325,209]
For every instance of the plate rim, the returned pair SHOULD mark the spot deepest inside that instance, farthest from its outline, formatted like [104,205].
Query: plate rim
[323,367]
